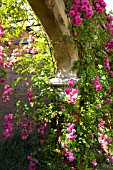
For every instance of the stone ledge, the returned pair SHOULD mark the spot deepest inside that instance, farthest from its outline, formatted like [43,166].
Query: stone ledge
[61,81]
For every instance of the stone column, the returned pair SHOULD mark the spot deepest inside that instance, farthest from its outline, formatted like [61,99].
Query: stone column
[56,24]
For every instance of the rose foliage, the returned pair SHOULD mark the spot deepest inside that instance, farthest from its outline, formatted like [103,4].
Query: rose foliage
[70,132]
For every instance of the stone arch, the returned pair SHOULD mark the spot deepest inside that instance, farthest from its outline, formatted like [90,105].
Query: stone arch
[56,24]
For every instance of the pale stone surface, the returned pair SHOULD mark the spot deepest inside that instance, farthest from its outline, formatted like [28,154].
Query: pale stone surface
[56,24]
[61,81]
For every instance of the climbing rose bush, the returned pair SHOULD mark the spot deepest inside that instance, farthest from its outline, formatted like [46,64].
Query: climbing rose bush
[81,135]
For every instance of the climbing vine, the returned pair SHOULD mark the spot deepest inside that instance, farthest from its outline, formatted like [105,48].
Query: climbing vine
[73,131]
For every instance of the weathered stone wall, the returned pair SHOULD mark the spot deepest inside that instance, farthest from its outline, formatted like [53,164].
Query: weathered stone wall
[20,93]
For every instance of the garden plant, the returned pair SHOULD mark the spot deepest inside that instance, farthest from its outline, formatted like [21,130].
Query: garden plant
[51,132]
